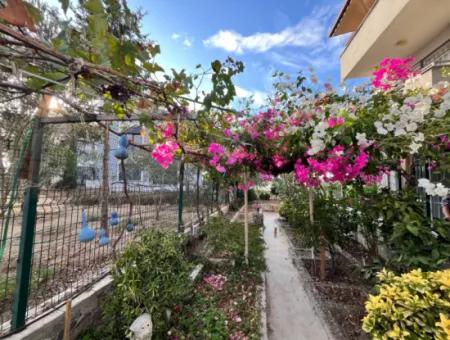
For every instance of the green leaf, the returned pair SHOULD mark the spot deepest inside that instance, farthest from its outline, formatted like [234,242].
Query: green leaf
[152,67]
[94,7]
[216,66]
[154,49]
[64,5]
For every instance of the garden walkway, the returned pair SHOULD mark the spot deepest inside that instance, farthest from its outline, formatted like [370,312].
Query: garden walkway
[291,314]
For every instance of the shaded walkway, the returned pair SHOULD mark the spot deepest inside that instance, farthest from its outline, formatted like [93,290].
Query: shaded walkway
[291,314]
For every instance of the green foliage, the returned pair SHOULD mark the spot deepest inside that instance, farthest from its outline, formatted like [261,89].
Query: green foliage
[151,276]
[223,89]
[227,239]
[332,219]
[198,322]
[400,219]
[414,305]
[265,196]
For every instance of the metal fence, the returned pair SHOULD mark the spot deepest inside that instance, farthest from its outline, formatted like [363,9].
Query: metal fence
[44,263]
[432,205]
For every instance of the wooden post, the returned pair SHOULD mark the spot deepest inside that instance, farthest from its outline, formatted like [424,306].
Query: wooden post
[67,320]
[322,237]
[246,217]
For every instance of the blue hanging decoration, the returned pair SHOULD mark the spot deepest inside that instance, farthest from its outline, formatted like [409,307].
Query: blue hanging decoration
[86,233]
[130,227]
[122,151]
[103,240]
[114,219]
[123,141]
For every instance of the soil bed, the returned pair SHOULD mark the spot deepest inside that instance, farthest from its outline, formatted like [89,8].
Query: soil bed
[343,292]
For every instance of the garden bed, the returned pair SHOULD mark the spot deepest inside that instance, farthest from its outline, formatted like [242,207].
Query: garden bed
[222,303]
[341,295]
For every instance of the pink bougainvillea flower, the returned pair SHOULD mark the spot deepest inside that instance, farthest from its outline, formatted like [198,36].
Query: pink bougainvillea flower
[238,156]
[278,161]
[227,133]
[220,168]
[215,281]
[216,148]
[301,172]
[214,161]
[244,187]
[392,70]
[335,121]
[265,177]
[168,131]
[269,134]
[163,153]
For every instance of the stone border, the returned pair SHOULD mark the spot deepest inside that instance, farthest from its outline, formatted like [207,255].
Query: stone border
[84,311]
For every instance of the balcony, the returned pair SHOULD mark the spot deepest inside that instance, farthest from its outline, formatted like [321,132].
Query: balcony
[397,28]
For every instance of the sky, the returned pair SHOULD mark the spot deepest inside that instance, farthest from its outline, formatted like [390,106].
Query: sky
[267,35]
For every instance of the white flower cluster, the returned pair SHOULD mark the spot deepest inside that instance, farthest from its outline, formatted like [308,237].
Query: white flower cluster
[444,107]
[405,119]
[362,140]
[317,142]
[433,189]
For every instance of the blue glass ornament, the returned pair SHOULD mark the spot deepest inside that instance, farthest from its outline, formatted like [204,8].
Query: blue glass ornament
[103,240]
[123,141]
[130,227]
[121,153]
[114,219]
[86,233]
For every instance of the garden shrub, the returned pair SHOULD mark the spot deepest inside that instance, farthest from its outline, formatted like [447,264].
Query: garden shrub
[227,239]
[265,196]
[414,305]
[151,276]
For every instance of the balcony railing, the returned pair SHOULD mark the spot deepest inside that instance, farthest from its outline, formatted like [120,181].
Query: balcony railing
[439,57]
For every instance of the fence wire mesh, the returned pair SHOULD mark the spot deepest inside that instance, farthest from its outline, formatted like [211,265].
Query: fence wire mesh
[139,195]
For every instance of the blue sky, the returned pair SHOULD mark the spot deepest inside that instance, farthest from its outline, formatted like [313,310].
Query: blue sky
[269,35]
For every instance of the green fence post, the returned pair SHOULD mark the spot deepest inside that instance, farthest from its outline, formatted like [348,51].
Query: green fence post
[181,196]
[25,256]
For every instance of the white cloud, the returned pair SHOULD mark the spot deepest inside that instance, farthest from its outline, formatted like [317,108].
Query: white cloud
[187,42]
[175,36]
[309,32]
[259,97]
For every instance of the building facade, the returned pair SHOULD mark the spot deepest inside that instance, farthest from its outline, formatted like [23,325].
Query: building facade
[395,29]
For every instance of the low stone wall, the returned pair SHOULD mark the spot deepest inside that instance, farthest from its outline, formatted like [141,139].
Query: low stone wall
[85,309]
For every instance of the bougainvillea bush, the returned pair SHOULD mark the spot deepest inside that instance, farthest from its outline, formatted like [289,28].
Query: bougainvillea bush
[325,135]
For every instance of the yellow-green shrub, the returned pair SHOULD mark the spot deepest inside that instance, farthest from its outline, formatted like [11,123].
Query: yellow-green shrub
[415,305]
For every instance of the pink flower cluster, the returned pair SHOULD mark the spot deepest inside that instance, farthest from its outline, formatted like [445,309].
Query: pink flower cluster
[217,151]
[168,131]
[390,71]
[337,167]
[278,161]
[335,121]
[246,186]
[163,153]
[215,281]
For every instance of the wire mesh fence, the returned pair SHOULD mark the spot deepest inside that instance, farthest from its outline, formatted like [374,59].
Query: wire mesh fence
[83,185]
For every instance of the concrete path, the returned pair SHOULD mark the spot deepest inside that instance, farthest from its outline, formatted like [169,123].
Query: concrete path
[291,314]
